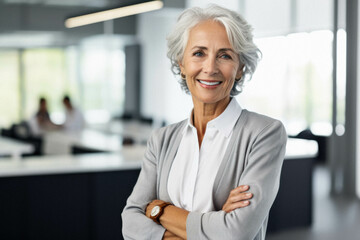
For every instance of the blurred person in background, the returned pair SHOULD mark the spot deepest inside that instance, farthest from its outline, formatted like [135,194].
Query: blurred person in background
[41,121]
[74,119]
[42,115]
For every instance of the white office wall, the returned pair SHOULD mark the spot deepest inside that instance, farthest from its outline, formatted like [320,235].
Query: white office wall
[161,95]
[314,15]
[279,17]
[268,18]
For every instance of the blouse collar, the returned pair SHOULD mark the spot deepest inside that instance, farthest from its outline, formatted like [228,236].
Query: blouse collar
[225,122]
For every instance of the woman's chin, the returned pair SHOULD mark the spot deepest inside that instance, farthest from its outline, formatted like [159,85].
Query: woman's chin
[209,99]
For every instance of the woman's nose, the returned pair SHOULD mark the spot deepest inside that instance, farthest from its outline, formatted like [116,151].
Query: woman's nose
[210,66]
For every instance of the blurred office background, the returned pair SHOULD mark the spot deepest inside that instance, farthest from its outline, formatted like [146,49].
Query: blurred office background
[117,71]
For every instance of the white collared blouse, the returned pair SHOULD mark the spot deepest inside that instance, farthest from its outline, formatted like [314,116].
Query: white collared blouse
[194,169]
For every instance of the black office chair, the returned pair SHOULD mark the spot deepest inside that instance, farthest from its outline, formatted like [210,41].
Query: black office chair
[321,141]
[146,120]
[22,132]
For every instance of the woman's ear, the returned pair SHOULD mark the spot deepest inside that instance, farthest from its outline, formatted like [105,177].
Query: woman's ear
[182,69]
[240,71]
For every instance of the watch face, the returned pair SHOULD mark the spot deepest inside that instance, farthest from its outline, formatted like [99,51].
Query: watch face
[155,211]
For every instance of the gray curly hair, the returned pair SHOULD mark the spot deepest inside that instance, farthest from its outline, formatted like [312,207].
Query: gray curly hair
[239,33]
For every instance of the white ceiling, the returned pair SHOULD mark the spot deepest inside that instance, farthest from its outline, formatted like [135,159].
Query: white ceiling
[35,23]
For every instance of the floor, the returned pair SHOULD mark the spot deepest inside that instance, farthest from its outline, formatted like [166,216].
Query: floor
[335,217]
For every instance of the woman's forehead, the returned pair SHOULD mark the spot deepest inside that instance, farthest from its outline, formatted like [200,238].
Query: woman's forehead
[208,33]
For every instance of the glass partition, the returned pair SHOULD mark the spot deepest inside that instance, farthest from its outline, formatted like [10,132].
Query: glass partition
[293,81]
[9,87]
[44,76]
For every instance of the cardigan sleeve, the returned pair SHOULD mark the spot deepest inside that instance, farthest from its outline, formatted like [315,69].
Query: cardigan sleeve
[262,174]
[135,224]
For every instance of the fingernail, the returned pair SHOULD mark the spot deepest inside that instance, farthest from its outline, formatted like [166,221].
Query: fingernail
[248,194]
[246,202]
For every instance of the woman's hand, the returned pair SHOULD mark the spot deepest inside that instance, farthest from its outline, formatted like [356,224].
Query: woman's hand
[151,205]
[238,198]
[173,220]
[170,236]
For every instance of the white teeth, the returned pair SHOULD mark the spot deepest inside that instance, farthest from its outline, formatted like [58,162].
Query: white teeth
[209,83]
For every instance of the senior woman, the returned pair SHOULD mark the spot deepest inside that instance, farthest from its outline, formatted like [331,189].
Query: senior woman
[216,174]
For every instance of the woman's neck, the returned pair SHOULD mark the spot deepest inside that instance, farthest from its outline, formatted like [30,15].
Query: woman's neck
[204,113]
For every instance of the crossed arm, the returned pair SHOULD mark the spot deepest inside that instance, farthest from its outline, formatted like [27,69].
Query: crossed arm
[262,174]
[174,219]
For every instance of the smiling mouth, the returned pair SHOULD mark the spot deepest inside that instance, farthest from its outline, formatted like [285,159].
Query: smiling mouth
[207,83]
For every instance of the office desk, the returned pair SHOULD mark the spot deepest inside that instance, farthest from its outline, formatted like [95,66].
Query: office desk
[14,148]
[138,131]
[102,138]
[300,148]
[62,142]
[81,197]
[122,158]
[129,158]
[293,206]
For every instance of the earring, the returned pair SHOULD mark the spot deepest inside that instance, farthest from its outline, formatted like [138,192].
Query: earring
[183,76]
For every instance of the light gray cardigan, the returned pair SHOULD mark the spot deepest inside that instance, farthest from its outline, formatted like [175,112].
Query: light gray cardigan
[254,157]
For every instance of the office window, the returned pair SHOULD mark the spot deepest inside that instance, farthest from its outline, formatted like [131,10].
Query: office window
[102,75]
[92,74]
[44,76]
[9,87]
[293,81]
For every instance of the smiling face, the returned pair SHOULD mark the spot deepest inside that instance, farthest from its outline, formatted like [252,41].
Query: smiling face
[210,63]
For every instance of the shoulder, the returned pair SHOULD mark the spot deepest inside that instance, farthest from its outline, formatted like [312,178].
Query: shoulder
[165,139]
[258,123]
[169,132]
[257,117]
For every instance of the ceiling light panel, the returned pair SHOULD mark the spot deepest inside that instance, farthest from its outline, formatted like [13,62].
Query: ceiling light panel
[113,14]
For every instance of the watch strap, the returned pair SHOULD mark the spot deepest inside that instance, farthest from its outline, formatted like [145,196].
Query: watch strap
[162,206]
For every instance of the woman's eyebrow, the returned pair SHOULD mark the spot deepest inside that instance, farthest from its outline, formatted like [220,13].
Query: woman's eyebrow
[220,50]
[199,47]
[226,49]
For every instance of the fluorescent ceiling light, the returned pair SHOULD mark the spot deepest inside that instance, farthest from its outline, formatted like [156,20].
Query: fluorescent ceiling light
[112,14]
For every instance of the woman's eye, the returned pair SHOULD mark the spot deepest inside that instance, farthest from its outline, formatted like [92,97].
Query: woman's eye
[225,56]
[198,54]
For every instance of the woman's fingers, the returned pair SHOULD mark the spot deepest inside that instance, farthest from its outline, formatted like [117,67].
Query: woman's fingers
[232,205]
[236,205]
[238,198]
[240,189]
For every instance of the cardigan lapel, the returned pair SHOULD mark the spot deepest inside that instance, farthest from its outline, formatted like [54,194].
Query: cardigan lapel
[230,150]
[167,159]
